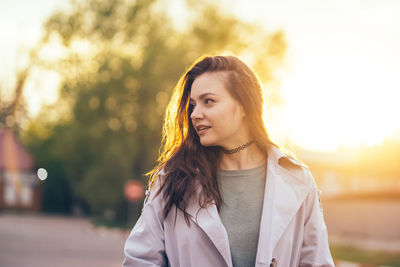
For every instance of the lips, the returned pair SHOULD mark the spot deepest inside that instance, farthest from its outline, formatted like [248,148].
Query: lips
[201,129]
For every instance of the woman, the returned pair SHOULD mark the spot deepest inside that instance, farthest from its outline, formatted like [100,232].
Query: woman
[223,194]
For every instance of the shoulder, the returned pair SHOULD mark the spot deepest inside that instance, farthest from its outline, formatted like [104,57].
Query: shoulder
[300,178]
[154,194]
[298,169]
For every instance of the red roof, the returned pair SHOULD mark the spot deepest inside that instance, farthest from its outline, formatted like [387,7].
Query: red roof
[13,155]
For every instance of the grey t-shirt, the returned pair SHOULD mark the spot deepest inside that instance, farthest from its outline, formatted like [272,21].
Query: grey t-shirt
[242,194]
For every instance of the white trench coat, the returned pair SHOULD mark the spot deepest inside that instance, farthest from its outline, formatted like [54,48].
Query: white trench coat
[292,228]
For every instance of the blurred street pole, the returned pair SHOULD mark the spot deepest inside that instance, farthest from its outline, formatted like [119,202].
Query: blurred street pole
[134,192]
[132,212]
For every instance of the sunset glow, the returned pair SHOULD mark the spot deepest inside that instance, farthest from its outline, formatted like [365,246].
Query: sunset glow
[330,103]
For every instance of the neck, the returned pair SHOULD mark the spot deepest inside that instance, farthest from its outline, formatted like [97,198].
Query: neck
[247,158]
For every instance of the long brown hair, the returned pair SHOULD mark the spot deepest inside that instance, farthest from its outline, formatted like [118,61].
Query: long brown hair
[184,162]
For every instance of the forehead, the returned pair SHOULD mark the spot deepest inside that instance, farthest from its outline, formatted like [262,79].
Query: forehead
[209,82]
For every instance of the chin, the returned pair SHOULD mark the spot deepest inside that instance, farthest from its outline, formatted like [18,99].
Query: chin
[205,142]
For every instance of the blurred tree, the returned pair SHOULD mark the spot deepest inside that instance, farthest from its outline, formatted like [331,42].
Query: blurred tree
[47,152]
[120,61]
[13,111]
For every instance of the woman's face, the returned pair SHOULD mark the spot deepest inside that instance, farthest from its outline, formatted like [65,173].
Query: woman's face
[217,117]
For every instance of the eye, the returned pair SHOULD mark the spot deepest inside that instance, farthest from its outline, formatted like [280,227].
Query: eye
[208,101]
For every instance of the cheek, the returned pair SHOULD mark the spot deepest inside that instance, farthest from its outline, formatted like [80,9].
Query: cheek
[226,118]
[236,114]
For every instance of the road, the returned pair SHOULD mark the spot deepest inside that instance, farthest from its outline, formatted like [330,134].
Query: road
[55,241]
[50,241]
[368,223]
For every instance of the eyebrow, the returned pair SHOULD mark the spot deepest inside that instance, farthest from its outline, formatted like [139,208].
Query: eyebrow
[203,96]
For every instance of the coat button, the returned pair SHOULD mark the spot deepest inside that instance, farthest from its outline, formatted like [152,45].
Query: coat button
[274,263]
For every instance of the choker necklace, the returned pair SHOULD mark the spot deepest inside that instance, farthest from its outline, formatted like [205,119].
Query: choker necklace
[237,149]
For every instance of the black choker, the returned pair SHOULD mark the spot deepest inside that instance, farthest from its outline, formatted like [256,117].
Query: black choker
[237,149]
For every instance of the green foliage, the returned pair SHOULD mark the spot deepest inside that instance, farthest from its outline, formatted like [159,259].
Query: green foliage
[57,195]
[122,60]
[373,258]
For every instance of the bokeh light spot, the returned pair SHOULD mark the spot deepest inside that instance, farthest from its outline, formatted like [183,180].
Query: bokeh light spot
[42,174]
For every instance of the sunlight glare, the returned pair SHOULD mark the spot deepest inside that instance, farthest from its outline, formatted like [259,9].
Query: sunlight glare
[331,103]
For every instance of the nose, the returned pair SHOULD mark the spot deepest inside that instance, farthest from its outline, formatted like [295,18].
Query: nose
[196,113]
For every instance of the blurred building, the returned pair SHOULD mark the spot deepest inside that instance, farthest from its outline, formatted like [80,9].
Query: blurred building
[19,186]
[341,174]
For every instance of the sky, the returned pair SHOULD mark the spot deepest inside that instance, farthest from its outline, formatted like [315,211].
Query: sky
[21,24]
[340,80]
[341,84]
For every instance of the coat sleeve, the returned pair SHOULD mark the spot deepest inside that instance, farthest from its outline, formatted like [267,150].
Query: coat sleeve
[315,249]
[145,244]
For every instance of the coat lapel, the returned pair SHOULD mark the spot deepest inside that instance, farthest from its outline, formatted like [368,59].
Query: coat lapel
[284,194]
[209,221]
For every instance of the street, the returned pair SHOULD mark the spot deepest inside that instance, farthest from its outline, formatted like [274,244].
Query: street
[55,241]
[371,224]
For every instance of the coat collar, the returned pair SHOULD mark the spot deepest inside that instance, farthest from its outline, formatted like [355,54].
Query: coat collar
[285,191]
